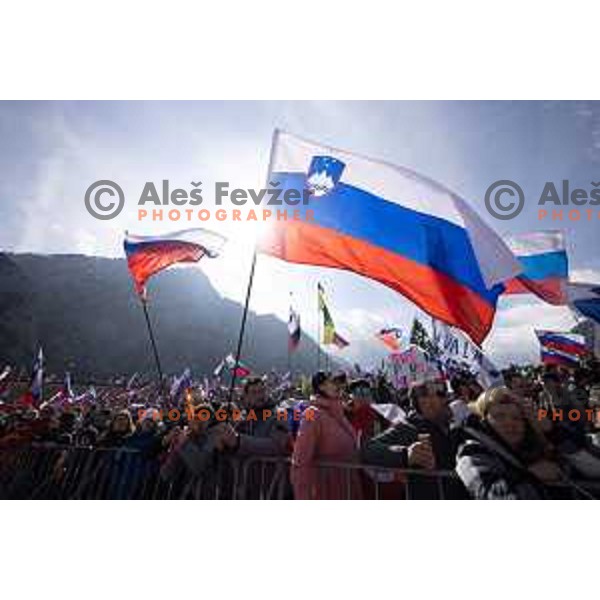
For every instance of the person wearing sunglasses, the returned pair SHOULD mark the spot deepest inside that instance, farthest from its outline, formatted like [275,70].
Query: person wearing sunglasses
[425,441]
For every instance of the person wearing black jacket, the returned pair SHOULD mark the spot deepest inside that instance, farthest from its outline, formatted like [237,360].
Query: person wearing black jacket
[504,456]
[425,441]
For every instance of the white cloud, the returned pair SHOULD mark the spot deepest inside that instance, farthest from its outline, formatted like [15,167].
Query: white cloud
[513,339]
[585,275]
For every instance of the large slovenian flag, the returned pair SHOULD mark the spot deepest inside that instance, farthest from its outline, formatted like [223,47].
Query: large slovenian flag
[561,347]
[147,255]
[394,226]
[545,265]
[585,299]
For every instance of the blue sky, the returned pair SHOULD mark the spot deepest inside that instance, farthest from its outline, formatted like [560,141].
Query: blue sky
[51,152]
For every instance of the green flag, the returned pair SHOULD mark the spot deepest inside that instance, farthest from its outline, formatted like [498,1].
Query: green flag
[330,336]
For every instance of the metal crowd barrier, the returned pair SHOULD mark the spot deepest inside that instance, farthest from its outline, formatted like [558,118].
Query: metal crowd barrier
[55,472]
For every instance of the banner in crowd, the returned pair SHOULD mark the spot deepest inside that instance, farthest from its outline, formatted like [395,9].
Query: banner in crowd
[412,367]
[456,351]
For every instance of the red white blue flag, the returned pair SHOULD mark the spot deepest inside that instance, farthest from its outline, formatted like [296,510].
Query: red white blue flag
[229,363]
[147,255]
[543,256]
[391,337]
[33,396]
[585,299]
[392,225]
[561,348]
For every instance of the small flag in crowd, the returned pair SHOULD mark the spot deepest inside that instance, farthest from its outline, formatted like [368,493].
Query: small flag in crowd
[5,373]
[339,341]
[570,343]
[456,352]
[391,337]
[390,224]
[585,299]
[132,381]
[181,384]
[412,367]
[33,396]
[147,255]
[330,335]
[293,330]
[4,381]
[543,256]
[561,348]
[67,391]
[229,363]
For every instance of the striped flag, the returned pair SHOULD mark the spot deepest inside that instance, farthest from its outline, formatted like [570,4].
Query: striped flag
[33,397]
[339,341]
[330,335]
[585,299]
[561,348]
[392,225]
[181,384]
[391,338]
[147,255]
[229,363]
[543,256]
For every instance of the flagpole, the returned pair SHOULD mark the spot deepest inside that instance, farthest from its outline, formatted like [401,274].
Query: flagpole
[240,341]
[318,331]
[154,347]
[290,342]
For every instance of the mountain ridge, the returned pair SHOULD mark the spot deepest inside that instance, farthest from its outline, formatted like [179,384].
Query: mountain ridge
[84,312]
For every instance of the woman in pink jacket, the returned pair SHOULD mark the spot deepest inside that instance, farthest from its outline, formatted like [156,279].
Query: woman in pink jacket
[325,436]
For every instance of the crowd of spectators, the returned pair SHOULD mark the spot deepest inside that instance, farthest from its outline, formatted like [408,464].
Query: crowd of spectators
[339,436]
